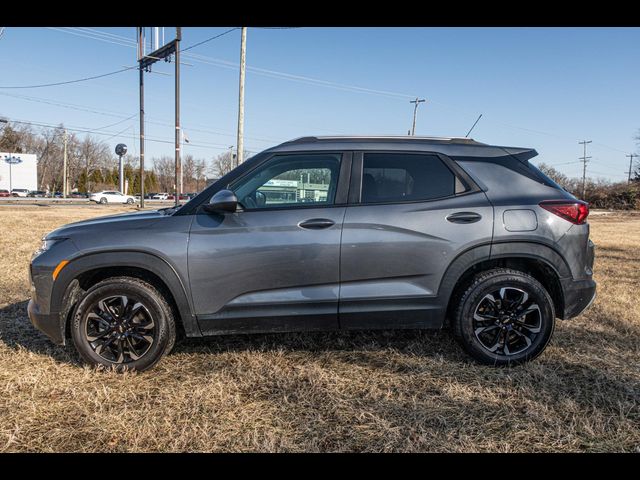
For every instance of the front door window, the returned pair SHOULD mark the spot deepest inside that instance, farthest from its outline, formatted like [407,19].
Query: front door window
[290,181]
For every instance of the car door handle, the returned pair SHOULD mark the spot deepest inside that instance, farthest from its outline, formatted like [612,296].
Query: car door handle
[316,223]
[464,217]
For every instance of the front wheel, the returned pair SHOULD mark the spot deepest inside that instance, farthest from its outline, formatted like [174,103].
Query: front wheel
[505,317]
[123,323]
[129,201]
[103,200]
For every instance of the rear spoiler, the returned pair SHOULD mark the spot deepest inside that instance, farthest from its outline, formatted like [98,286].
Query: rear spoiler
[521,154]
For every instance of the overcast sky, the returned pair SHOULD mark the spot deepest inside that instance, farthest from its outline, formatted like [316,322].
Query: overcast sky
[545,88]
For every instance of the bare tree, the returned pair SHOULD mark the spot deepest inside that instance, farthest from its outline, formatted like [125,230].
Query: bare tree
[164,168]
[558,177]
[223,164]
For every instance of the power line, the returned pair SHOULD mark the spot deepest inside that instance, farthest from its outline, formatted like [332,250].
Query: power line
[117,123]
[109,113]
[215,146]
[71,81]
[271,73]
[209,39]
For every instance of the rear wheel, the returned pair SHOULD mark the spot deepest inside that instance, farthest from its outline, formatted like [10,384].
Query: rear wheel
[124,323]
[504,317]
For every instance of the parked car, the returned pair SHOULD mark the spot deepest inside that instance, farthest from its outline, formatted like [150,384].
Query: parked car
[386,232]
[79,195]
[160,196]
[4,193]
[183,196]
[111,196]
[57,195]
[149,196]
[37,194]
[19,192]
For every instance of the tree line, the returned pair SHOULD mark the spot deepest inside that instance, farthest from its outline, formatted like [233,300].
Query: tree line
[92,165]
[600,193]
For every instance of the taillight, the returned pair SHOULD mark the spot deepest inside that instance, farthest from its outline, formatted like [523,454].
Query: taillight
[575,212]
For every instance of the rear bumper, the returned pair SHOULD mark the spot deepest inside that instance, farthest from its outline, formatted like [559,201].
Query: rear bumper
[49,324]
[578,296]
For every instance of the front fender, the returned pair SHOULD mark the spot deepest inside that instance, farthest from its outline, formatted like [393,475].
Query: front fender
[136,259]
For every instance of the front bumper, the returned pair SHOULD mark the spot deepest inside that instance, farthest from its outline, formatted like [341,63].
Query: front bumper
[47,323]
[578,296]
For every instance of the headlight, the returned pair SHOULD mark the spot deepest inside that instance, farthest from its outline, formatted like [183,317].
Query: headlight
[46,245]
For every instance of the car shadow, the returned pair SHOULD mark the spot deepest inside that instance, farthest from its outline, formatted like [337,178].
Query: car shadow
[17,332]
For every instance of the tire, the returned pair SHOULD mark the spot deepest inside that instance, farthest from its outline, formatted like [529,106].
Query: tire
[504,317]
[136,340]
[130,201]
[103,201]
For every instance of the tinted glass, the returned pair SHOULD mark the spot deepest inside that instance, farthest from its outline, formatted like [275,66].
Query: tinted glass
[290,180]
[398,177]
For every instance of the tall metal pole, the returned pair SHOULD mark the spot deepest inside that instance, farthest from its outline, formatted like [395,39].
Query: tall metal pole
[584,159]
[64,166]
[178,133]
[630,165]
[121,174]
[240,142]
[140,40]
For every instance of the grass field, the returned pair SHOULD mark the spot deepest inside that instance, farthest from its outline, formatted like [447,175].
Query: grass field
[364,391]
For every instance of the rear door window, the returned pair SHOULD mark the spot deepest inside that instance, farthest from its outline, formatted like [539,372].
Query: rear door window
[405,177]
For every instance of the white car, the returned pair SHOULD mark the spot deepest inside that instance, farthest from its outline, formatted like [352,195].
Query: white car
[19,192]
[160,196]
[111,196]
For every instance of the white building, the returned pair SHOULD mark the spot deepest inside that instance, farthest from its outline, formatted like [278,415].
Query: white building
[21,171]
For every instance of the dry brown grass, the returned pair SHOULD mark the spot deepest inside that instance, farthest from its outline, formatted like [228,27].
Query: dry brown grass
[367,391]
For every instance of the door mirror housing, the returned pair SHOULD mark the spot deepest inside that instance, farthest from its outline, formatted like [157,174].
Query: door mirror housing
[224,201]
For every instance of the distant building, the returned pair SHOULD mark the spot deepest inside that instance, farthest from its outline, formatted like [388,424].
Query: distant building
[18,170]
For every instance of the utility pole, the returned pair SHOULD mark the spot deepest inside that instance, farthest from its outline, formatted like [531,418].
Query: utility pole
[584,159]
[64,166]
[140,46]
[145,61]
[417,101]
[240,142]
[630,164]
[178,133]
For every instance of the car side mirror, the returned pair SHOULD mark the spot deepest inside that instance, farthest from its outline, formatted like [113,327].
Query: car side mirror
[224,201]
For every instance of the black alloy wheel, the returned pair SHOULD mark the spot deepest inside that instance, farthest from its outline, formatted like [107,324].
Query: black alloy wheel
[507,321]
[503,317]
[123,323]
[120,329]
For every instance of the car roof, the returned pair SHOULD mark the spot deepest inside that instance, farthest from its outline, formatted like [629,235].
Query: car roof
[451,146]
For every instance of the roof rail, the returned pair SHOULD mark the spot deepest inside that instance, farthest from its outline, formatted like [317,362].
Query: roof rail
[384,138]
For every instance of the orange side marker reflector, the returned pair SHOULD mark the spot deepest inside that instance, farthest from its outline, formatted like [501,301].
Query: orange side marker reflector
[60,266]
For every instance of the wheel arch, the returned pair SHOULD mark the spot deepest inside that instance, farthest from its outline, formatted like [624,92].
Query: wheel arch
[81,273]
[540,261]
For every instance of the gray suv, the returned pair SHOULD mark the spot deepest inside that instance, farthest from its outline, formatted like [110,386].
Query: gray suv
[324,233]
